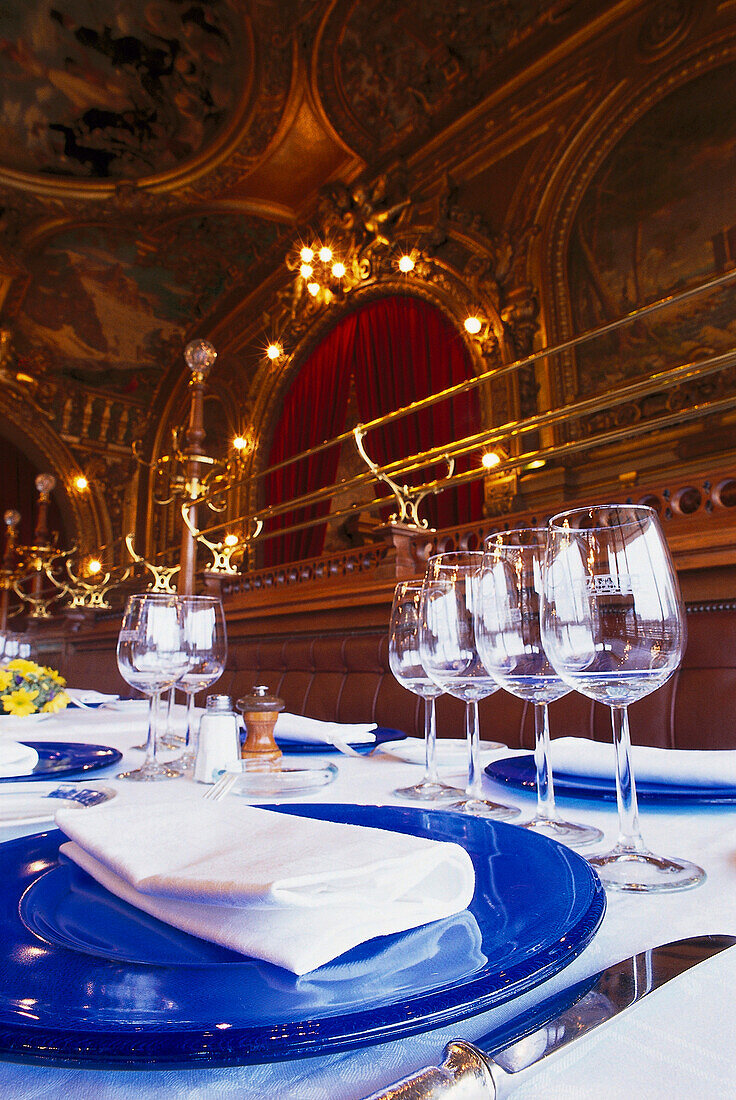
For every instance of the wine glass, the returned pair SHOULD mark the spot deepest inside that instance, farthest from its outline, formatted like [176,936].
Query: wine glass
[151,657]
[406,665]
[613,627]
[205,643]
[510,646]
[448,653]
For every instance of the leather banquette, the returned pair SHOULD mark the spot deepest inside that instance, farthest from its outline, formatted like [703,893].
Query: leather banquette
[347,678]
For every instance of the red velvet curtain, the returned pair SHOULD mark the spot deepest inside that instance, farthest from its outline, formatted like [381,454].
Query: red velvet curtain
[399,349]
[314,410]
[406,350]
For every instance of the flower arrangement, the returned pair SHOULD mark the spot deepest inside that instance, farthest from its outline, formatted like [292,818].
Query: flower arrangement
[27,688]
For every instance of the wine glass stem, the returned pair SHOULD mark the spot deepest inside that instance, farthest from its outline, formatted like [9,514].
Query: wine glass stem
[170,712]
[153,719]
[430,742]
[545,783]
[628,810]
[475,777]
[191,744]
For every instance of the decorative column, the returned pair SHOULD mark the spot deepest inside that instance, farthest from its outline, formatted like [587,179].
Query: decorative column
[199,356]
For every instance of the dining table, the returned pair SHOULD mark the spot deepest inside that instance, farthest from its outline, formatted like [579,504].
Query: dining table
[679,1042]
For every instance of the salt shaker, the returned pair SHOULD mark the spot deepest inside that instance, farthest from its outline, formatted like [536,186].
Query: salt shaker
[219,741]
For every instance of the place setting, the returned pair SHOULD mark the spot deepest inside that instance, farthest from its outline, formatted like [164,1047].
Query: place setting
[311,922]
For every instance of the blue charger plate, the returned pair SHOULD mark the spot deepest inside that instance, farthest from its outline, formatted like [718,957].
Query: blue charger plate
[87,980]
[57,758]
[519,772]
[382,736]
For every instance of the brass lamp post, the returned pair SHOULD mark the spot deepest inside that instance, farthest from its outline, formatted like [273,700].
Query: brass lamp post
[199,356]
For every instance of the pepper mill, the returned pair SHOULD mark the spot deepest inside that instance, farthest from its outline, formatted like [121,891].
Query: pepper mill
[260,710]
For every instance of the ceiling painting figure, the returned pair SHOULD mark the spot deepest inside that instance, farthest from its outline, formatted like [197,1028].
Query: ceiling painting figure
[120,90]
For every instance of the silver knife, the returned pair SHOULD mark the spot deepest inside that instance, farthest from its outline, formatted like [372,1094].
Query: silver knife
[488,1068]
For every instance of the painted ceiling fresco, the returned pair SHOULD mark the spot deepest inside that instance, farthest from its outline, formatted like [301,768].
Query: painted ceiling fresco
[660,215]
[109,310]
[395,65]
[118,90]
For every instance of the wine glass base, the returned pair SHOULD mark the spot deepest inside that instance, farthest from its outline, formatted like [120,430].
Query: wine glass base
[566,832]
[171,742]
[428,791]
[481,807]
[629,869]
[185,762]
[151,772]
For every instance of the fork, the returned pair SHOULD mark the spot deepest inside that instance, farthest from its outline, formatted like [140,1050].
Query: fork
[222,787]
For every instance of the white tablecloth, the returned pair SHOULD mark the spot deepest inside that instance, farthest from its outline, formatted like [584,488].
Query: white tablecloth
[678,1043]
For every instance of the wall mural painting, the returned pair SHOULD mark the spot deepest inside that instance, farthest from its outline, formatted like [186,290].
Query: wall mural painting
[120,90]
[111,312]
[659,216]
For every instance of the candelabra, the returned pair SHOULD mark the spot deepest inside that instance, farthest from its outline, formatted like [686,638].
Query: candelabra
[189,473]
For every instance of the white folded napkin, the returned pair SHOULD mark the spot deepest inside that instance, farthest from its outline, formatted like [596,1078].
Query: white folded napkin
[296,727]
[16,759]
[294,891]
[686,767]
[84,697]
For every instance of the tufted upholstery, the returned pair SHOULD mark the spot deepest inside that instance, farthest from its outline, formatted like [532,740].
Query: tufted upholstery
[347,678]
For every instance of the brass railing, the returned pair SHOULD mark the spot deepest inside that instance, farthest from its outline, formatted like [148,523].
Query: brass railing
[661,381]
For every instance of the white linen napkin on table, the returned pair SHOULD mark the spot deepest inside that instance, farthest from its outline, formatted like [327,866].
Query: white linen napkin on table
[84,697]
[296,727]
[686,767]
[16,759]
[294,891]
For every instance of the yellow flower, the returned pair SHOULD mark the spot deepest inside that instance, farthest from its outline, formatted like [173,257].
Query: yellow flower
[19,702]
[55,676]
[6,679]
[57,703]
[21,665]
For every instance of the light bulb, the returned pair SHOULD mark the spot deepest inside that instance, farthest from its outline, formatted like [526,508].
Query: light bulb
[406,264]
[240,443]
[338,270]
[306,270]
[313,289]
[473,325]
[93,566]
[325,254]
[81,483]
[306,254]
[273,351]
[490,459]
[231,540]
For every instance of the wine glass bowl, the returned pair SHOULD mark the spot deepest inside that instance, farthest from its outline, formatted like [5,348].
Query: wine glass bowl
[406,666]
[151,657]
[613,627]
[509,642]
[447,647]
